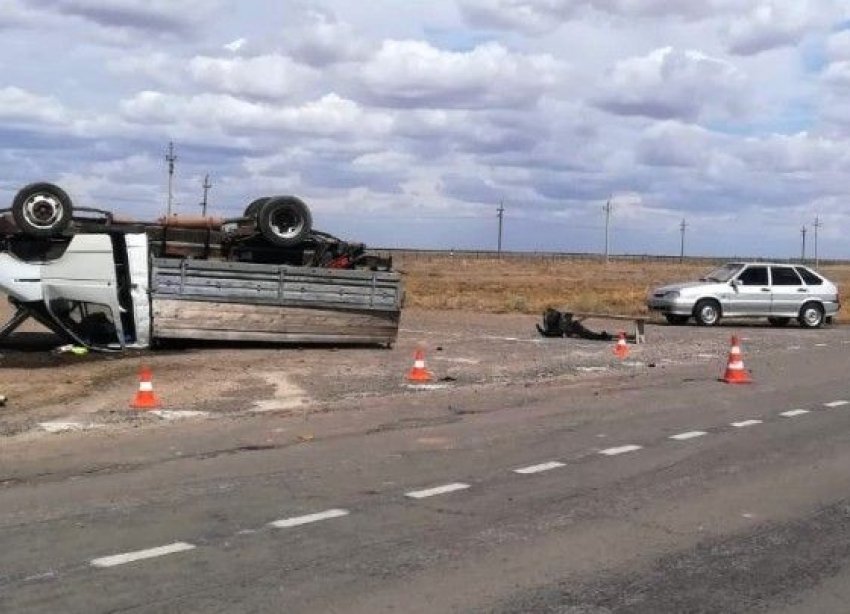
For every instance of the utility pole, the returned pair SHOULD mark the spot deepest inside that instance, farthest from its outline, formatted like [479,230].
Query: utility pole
[803,232]
[501,213]
[171,159]
[682,228]
[817,225]
[207,185]
[607,230]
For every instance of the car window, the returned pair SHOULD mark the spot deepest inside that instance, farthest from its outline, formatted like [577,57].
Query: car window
[754,276]
[810,278]
[785,276]
[724,273]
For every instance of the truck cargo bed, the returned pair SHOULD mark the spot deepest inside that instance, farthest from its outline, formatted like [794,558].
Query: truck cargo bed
[237,301]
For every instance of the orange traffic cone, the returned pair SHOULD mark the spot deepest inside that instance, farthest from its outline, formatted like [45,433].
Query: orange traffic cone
[145,398]
[419,374]
[621,350]
[735,371]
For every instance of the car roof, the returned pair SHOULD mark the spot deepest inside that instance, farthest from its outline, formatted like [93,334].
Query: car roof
[795,264]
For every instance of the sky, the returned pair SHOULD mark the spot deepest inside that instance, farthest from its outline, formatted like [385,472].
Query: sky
[405,123]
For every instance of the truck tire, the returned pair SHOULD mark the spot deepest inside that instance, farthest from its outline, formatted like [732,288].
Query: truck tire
[252,209]
[42,210]
[284,221]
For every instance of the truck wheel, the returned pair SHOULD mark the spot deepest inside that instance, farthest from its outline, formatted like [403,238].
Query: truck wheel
[284,221]
[254,208]
[707,312]
[42,210]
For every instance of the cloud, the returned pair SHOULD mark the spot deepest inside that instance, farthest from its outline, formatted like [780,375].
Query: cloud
[271,77]
[775,23]
[414,74]
[672,84]
[319,39]
[20,106]
[157,16]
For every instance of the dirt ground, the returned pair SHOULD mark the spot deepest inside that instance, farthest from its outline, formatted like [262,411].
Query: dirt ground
[465,351]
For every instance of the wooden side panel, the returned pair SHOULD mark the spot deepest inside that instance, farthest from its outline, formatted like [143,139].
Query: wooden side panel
[226,321]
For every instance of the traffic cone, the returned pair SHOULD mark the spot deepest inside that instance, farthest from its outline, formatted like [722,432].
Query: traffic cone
[419,374]
[621,350]
[145,397]
[735,371]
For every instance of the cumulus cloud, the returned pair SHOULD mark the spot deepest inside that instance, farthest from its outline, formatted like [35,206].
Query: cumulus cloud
[319,39]
[18,105]
[776,23]
[266,76]
[415,74]
[672,84]
[327,116]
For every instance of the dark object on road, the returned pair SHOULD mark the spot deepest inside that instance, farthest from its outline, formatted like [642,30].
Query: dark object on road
[558,324]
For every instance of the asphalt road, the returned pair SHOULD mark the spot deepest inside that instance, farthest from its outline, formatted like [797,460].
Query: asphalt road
[658,492]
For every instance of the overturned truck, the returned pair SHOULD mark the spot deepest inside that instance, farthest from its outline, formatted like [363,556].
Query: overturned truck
[266,276]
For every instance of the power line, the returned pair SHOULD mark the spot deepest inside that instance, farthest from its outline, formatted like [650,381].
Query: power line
[171,159]
[206,185]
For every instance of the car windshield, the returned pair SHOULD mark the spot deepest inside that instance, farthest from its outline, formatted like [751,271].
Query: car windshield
[724,273]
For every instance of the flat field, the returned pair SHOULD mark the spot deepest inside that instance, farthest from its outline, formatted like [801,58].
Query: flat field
[530,284]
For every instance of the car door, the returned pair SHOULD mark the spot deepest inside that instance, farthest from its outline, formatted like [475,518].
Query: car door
[789,291]
[751,296]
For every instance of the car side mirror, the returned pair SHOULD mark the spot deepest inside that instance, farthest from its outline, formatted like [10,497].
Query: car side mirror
[735,283]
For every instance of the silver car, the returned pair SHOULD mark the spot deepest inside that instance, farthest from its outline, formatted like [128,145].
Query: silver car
[778,292]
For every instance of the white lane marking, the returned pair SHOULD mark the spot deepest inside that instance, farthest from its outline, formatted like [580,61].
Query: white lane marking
[426,386]
[794,413]
[539,468]
[439,490]
[620,450]
[688,435]
[746,423]
[836,404]
[139,555]
[286,523]
[821,345]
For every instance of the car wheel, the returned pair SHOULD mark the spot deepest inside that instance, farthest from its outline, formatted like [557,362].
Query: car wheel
[285,221]
[811,316]
[676,320]
[778,322]
[252,209]
[707,312]
[42,210]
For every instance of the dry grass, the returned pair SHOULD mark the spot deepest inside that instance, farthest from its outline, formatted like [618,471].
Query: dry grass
[529,285]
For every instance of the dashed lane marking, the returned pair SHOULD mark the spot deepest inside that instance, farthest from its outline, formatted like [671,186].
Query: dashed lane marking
[821,345]
[746,423]
[539,468]
[438,490]
[140,555]
[794,413]
[620,450]
[834,404]
[688,435]
[288,523]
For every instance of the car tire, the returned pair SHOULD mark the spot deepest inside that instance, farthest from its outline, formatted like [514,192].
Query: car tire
[676,320]
[707,312]
[254,207]
[42,210]
[285,221]
[811,315]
